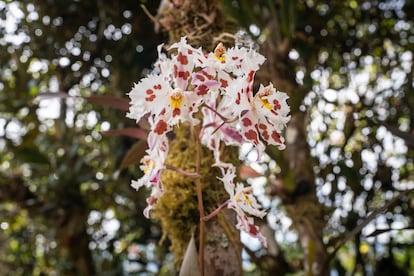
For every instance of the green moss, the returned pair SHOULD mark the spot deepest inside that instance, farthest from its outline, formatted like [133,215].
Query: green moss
[177,209]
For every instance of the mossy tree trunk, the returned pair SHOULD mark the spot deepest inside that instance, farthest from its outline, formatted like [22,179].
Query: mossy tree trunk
[177,210]
[202,23]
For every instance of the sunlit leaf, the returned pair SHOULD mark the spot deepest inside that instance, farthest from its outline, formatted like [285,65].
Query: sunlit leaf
[134,154]
[246,171]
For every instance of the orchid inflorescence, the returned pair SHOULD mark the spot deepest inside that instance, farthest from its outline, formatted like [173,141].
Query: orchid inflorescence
[220,85]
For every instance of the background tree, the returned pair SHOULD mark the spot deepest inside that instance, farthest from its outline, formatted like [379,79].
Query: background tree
[58,189]
[64,188]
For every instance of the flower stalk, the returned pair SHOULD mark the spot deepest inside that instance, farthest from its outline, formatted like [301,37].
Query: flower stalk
[199,191]
[215,212]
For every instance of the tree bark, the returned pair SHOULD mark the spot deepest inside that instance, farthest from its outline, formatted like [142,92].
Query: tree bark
[199,22]
[74,242]
[301,202]
[202,23]
[178,211]
[296,183]
[222,249]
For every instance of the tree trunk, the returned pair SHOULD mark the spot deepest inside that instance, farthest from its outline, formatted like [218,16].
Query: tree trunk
[222,249]
[302,204]
[202,23]
[178,211]
[74,242]
[296,183]
[71,212]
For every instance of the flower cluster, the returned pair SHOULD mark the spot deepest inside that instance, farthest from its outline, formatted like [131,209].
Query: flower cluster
[220,85]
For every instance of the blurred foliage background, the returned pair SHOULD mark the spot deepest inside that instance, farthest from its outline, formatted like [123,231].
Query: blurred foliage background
[66,207]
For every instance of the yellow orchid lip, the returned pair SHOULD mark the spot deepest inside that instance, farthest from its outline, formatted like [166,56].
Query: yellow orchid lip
[262,95]
[176,99]
[244,193]
[266,103]
[220,52]
[247,199]
[149,164]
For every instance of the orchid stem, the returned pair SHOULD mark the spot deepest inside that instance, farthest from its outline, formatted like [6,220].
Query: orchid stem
[215,112]
[217,128]
[215,212]
[200,204]
[183,172]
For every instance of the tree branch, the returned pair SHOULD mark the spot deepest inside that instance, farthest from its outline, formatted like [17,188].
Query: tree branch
[367,220]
